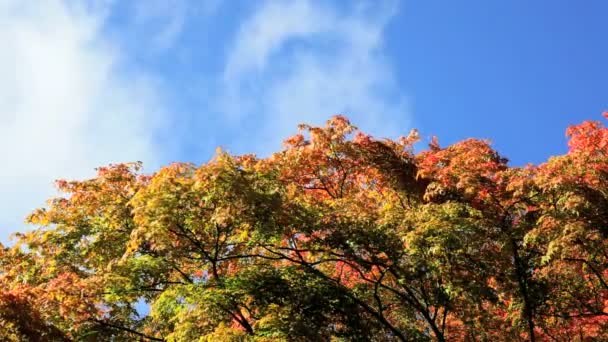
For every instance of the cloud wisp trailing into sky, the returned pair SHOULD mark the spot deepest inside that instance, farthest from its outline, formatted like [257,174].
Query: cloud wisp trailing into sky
[157,25]
[302,61]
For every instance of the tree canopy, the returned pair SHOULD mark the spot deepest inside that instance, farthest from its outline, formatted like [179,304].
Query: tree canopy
[337,237]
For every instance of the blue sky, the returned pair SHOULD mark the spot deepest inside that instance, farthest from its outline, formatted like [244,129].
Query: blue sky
[91,82]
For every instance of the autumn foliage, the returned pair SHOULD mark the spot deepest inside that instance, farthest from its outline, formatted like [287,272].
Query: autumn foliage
[338,237]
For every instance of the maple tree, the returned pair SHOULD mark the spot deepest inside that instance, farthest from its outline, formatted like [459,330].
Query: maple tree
[339,236]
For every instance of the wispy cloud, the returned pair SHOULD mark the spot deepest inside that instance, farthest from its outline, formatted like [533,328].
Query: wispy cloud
[160,23]
[68,102]
[295,61]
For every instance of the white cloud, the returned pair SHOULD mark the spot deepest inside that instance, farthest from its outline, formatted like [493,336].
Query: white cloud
[68,102]
[301,61]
